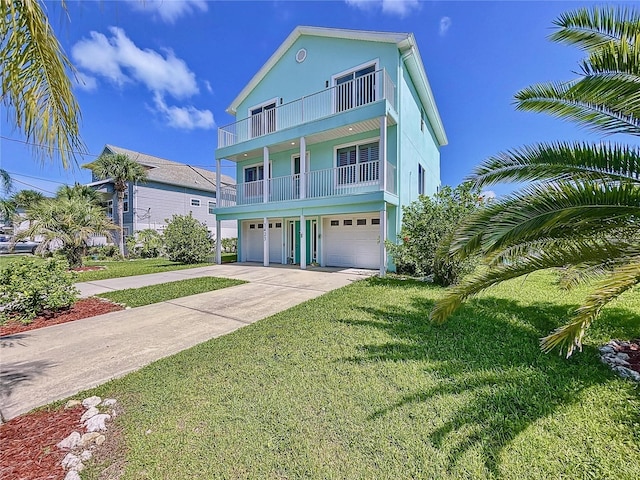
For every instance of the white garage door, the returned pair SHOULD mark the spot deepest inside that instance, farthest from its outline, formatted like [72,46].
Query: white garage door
[254,246]
[352,241]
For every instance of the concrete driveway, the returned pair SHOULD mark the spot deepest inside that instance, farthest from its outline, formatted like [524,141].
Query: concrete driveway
[41,366]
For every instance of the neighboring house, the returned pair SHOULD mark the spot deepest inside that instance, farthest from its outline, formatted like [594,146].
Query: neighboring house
[171,188]
[334,134]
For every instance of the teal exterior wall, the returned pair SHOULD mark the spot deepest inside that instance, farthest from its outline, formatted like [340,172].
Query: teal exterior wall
[289,80]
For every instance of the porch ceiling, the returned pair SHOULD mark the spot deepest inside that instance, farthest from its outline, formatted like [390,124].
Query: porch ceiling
[327,135]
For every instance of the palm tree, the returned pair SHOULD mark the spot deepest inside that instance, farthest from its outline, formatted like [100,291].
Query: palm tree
[68,223]
[27,198]
[80,191]
[35,86]
[582,211]
[5,181]
[121,170]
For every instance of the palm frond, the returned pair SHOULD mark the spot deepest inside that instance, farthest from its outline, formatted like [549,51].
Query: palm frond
[35,86]
[621,57]
[560,161]
[591,28]
[569,337]
[563,254]
[557,210]
[562,101]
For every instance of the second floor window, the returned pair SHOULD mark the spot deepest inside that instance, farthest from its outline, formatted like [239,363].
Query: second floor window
[110,208]
[263,119]
[421,179]
[358,163]
[195,202]
[212,207]
[125,203]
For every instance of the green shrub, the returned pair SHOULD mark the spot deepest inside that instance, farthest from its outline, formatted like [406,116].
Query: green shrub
[29,287]
[146,243]
[105,252]
[186,240]
[426,225]
[229,245]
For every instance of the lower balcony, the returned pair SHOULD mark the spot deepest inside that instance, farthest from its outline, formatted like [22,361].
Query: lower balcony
[346,180]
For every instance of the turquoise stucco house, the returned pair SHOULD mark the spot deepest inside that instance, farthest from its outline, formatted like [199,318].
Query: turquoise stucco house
[334,134]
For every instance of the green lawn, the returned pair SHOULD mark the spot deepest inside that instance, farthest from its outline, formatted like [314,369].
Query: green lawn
[357,384]
[137,297]
[127,268]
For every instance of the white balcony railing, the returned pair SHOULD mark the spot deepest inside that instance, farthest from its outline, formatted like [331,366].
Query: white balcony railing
[363,90]
[332,182]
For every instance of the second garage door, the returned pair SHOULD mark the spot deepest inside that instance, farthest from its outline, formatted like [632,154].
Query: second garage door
[352,241]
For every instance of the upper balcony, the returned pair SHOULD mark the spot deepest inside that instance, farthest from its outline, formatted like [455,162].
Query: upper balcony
[267,119]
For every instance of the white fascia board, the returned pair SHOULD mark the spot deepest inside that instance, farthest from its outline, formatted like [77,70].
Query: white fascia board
[370,36]
[413,61]
[99,182]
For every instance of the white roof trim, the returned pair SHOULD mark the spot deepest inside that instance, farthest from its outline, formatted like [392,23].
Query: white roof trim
[406,44]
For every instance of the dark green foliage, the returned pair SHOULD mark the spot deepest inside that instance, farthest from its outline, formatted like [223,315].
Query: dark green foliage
[186,240]
[146,243]
[426,227]
[30,286]
[229,245]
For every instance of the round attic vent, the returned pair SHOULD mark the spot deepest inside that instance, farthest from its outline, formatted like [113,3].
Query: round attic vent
[301,55]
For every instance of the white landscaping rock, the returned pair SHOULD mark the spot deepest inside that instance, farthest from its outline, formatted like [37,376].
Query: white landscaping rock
[72,462]
[100,439]
[89,413]
[89,438]
[72,475]
[85,455]
[96,423]
[70,442]
[109,402]
[91,402]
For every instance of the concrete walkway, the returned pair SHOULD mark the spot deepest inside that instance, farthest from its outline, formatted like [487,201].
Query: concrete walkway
[48,364]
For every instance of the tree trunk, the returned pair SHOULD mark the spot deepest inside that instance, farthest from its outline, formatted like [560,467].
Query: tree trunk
[121,221]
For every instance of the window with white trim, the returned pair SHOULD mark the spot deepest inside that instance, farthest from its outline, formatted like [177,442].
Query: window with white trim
[358,163]
[125,203]
[195,202]
[110,208]
[212,206]
[263,119]
[421,179]
[355,88]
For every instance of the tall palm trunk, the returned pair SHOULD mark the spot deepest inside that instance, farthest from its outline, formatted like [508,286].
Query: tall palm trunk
[121,221]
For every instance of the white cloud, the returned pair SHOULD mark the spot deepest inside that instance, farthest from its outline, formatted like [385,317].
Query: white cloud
[488,195]
[207,85]
[169,10]
[85,82]
[118,59]
[400,8]
[445,24]
[187,118]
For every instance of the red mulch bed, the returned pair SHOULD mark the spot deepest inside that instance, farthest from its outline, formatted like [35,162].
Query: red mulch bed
[83,308]
[28,444]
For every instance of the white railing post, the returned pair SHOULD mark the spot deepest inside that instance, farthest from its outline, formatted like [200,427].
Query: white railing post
[383,153]
[265,174]
[303,167]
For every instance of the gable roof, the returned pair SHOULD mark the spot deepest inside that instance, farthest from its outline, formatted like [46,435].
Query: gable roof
[173,173]
[406,44]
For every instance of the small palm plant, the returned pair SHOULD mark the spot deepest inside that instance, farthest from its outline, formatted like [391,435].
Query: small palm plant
[68,224]
[582,209]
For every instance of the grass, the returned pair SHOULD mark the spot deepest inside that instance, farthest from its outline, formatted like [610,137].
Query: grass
[358,384]
[137,297]
[127,268]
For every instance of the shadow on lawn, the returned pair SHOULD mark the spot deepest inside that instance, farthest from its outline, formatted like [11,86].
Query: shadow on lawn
[490,349]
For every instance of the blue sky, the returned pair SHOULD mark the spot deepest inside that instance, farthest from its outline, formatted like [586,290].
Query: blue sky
[156,76]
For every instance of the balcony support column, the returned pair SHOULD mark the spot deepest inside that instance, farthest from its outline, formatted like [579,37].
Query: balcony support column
[265,174]
[265,236]
[303,243]
[383,239]
[383,153]
[303,167]
[218,228]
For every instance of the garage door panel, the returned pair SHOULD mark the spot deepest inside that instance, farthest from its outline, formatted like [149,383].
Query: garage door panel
[254,244]
[352,245]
